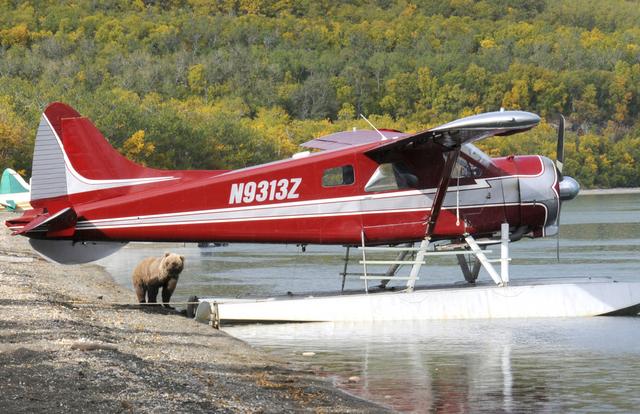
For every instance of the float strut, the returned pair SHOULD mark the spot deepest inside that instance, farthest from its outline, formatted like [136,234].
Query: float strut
[477,251]
[415,269]
[504,253]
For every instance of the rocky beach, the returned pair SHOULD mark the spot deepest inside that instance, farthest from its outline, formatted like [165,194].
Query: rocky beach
[66,347]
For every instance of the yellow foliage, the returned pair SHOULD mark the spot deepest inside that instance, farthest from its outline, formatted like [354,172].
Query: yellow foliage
[76,35]
[136,148]
[250,6]
[347,111]
[125,96]
[138,4]
[487,43]
[518,96]
[203,7]
[388,103]
[110,31]
[17,35]
[289,36]
[344,94]
[272,124]
[409,10]
[196,79]
[592,38]
[427,84]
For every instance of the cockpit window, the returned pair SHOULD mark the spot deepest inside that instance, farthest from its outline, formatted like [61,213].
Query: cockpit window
[465,169]
[476,155]
[338,176]
[391,176]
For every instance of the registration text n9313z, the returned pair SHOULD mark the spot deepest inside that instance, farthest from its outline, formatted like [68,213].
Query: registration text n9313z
[282,189]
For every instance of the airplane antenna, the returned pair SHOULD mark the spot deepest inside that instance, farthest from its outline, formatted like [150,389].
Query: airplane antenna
[374,127]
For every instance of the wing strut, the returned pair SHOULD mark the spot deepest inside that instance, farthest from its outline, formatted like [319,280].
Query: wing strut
[441,191]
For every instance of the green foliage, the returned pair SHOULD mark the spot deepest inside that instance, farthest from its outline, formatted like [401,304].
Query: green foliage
[13,133]
[228,84]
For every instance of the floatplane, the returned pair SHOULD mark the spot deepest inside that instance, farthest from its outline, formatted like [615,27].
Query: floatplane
[381,191]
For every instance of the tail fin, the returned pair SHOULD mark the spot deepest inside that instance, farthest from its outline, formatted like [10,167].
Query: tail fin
[12,182]
[71,157]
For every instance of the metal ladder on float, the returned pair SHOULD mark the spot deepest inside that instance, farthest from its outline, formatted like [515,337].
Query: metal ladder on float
[419,254]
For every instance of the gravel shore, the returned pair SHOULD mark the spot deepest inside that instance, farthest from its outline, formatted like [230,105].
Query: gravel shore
[59,355]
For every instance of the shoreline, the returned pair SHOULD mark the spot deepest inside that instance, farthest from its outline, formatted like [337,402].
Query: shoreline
[610,191]
[61,355]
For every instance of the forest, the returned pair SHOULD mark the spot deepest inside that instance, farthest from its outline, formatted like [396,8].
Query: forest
[198,84]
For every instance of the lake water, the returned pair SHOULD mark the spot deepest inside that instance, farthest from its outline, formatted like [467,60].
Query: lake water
[548,365]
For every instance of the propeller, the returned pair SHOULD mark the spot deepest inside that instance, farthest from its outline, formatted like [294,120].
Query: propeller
[559,165]
[560,148]
[569,187]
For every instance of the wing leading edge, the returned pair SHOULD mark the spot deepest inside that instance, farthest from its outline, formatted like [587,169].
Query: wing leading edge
[450,135]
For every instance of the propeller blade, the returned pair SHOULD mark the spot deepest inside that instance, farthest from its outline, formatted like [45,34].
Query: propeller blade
[560,148]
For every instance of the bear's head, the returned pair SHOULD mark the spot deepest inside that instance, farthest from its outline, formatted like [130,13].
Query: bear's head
[173,264]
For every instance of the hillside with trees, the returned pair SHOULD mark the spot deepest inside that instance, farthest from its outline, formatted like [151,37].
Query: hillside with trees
[225,84]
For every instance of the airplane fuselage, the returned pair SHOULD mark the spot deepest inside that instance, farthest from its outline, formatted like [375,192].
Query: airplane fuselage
[287,202]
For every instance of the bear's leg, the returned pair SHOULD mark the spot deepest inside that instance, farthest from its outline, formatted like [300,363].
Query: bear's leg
[141,292]
[152,293]
[167,291]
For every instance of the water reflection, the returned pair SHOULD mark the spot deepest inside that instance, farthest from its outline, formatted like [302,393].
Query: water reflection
[471,366]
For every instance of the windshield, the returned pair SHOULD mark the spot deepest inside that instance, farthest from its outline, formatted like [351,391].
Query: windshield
[477,155]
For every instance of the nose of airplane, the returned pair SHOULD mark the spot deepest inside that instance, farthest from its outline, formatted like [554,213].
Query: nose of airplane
[569,188]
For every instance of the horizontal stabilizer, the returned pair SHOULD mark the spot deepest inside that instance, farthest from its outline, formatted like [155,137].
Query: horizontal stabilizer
[68,252]
[61,220]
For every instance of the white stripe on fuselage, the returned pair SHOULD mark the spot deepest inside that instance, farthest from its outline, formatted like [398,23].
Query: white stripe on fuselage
[394,202]
[89,225]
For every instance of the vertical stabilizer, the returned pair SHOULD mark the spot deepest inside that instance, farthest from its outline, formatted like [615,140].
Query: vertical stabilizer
[71,156]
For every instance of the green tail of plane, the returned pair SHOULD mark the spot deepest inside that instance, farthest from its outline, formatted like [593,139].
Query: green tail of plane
[12,183]
[14,191]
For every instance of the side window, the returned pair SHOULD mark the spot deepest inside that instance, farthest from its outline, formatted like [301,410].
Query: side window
[338,176]
[391,176]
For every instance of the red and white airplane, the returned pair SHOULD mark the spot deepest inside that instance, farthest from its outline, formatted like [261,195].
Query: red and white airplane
[365,186]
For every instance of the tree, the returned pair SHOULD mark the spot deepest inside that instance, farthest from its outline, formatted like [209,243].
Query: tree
[135,148]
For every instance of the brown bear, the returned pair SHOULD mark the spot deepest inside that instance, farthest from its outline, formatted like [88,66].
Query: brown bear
[154,273]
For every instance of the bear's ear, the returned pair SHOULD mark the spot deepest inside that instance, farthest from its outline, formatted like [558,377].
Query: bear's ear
[167,254]
[182,258]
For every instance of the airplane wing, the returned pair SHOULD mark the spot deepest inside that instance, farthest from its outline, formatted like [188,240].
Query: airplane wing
[349,138]
[465,130]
